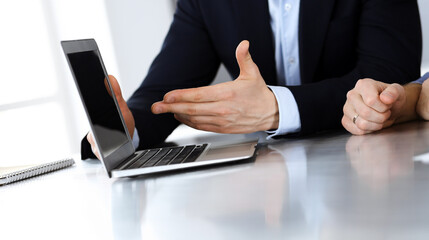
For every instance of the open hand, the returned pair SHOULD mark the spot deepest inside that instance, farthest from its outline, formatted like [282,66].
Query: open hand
[242,106]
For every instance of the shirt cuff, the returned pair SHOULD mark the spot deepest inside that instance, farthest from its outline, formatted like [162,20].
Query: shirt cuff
[422,79]
[289,119]
[136,138]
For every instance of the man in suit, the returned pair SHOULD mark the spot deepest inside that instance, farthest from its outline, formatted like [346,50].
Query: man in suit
[305,56]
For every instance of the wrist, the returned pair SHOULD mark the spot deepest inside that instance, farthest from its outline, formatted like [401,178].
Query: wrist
[408,111]
[273,116]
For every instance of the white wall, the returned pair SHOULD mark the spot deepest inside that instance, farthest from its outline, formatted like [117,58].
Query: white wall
[138,29]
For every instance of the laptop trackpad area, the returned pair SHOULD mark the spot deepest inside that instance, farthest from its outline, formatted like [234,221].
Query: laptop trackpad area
[229,152]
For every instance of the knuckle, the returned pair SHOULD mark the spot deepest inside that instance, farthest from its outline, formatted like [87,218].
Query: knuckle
[191,111]
[198,96]
[363,83]
[345,109]
[360,82]
[350,94]
[370,101]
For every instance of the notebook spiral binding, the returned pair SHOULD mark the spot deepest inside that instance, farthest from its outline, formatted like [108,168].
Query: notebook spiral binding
[34,171]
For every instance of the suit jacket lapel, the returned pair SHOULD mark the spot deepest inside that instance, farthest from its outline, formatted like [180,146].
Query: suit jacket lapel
[314,22]
[253,19]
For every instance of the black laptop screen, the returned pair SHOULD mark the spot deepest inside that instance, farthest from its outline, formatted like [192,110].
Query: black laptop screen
[101,108]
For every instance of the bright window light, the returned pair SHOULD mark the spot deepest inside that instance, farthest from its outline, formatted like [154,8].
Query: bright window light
[26,55]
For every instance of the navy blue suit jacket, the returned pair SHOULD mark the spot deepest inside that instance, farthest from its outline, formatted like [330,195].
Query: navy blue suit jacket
[341,41]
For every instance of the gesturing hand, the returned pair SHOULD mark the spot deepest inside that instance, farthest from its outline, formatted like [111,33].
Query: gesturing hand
[372,105]
[126,113]
[241,106]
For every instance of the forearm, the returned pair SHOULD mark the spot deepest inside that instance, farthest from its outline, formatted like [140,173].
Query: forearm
[408,113]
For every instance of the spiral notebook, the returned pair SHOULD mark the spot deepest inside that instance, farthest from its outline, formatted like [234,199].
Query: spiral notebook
[18,173]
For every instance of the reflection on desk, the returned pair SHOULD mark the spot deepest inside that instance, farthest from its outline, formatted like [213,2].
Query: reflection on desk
[329,186]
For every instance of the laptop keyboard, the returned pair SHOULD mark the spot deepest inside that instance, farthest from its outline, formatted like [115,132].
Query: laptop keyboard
[165,156]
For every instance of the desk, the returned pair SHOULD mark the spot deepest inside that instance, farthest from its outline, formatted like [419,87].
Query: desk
[331,186]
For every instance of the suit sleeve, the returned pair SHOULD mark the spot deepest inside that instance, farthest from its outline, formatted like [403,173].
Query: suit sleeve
[187,60]
[388,49]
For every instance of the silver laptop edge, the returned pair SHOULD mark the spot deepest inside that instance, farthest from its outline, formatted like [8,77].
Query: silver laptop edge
[202,160]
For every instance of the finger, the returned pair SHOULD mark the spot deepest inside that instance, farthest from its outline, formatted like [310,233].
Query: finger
[193,109]
[201,94]
[199,120]
[90,138]
[96,153]
[349,111]
[393,93]
[212,127]
[115,86]
[358,107]
[351,127]
[370,91]
[244,59]
[361,124]
[366,125]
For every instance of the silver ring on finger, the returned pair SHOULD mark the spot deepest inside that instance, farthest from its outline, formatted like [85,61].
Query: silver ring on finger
[355,118]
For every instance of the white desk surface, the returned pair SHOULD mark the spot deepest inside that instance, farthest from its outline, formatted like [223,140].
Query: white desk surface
[331,186]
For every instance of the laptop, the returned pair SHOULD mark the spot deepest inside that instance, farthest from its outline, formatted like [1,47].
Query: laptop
[111,136]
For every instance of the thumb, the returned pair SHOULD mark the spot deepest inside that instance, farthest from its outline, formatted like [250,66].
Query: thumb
[393,93]
[115,86]
[126,112]
[244,60]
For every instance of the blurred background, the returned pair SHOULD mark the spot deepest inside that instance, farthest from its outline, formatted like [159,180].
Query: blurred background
[41,117]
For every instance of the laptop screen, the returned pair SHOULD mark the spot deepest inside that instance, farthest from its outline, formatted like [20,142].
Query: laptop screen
[101,108]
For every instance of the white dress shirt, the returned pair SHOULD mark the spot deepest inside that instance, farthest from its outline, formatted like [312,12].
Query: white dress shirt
[285,24]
